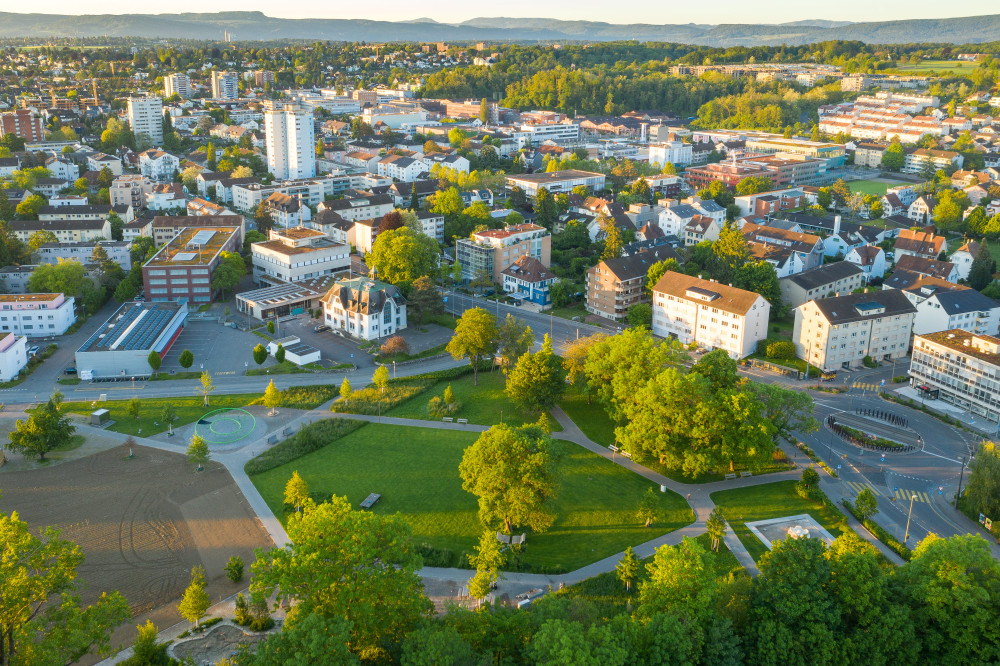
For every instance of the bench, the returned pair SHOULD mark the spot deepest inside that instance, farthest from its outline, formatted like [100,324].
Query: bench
[465,421]
[731,476]
[370,501]
[273,439]
[625,453]
[286,432]
[746,474]
[613,448]
[514,540]
[448,419]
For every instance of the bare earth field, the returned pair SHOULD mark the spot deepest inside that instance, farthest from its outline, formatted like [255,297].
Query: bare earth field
[142,524]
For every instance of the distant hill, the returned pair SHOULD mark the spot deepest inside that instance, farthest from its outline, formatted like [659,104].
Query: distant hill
[258,26]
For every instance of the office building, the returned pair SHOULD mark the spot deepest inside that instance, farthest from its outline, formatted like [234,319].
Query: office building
[296,254]
[182,269]
[557,182]
[291,145]
[709,314]
[145,116]
[959,367]
[177,84]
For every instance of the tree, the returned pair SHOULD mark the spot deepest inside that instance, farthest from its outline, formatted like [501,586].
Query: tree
[154,360]
[866,504]
[279,353]
[391,220]
[40,238]
[186,359]
[612,237]
[754,185]
[484,111]
[206,386]
[789,411]
[729,253]
[259,354]
[511,472]
[395,346]
[425,301]
[228,272]
[447,202]
[640,315]
[627,569]
[195,602]
[262,218]
[345,389]
[537,383]
[488,561]
[648,508]
[546,208]
[760,277]
[270,327]
[126,290]
[42,432]
[575,356]
[234,569]
[42,620]
[657,270]
[197,451]
[682,580]
[983,489]
[716,527]
[145,648]
[272,397]
[380,378]
[436,645]
[167,414]
[105,178]
[313,640]
[297,491]
[982,269]
[358,576]
[893,157]
[64,277]
[718,368]
[134,407]
[403,255]
[474,338]
[514,339]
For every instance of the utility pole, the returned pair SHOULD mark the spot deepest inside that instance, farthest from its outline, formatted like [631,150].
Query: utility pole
[960,475]
[907,535]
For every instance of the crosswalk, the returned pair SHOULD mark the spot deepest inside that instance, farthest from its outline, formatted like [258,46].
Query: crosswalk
[864,386]
[901,494]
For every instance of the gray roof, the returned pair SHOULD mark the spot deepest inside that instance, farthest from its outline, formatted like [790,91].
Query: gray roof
[854,307]
[822,275]
[964,300]
[631,267]
[684,210]
[710,206]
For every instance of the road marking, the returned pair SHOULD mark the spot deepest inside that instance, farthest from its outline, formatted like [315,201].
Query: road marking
[904,495]
[958,462]
[858,487]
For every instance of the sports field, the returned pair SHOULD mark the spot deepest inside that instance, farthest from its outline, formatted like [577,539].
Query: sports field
[941,67]
[875,187]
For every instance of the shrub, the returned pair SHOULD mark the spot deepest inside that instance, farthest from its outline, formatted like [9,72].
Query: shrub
[395,345]
[436,557]
[397,391]
[447,405]
[241,614]
[305,397]
[880,533]
[311,438]
[234,569]
[784,350]
[869,362]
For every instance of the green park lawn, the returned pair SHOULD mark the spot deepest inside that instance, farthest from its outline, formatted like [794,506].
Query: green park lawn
[187,411]
[416,472]
[772,500]
[485,404]
[941,66]
[868,187]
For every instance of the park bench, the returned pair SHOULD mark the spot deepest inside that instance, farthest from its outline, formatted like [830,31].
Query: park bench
[466,421]
[273,439]
[370,501]
[286,432]
[746,474]
[448,419]
[625,453]
[613,448]
[731,476]
[514,540]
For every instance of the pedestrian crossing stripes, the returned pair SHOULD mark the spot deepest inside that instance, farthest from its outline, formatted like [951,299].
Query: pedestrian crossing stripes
[900,495]
[864,386]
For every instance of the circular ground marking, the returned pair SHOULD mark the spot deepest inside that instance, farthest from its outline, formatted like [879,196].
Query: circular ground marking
[225,426]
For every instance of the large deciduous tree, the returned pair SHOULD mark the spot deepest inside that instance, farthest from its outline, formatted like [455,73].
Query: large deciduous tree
[983,490]
[368,579]
[514,339]
[537,381]
[42,432]
[512,473]
[424,302]
[474,338]
[403,255]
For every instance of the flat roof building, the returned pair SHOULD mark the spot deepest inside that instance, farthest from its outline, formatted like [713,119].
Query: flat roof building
[289,298]
[182,269]
[296,254]
[121,347]
[959,367]
[556,181]
[36,315]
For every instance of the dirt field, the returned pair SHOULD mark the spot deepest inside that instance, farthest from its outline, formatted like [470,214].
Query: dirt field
[142,524]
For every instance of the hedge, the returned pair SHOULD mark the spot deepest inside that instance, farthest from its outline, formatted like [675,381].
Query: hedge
[784,350]
[311,438]
[371,400]
[880,533]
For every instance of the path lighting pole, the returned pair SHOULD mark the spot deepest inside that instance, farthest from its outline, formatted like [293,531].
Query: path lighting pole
[907,535]
[960,475]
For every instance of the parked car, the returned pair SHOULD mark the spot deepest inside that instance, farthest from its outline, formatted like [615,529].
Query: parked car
[320,328]
[70,370]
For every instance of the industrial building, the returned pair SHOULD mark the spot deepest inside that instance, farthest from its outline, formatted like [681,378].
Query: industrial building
[121,347]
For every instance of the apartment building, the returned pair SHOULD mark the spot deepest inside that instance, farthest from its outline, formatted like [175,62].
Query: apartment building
[183,267]
[677,153]
[130,190]
[727,173]
[914,161]
[807,247]
[177,84]
[36,315]
[119,252]
[839,332]
[556,182]
[959,367]
[65,231]
[296,254]
[356,208]
[491,251]
[23,123]
[13,355]
[364,308]
[145,116]
[615,285]
[290,139]
[225,85]
[942,306]
[837,279]
[710,314]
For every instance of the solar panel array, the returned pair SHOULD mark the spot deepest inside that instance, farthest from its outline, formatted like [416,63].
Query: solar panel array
[148,330]
[142,336]
[202,237]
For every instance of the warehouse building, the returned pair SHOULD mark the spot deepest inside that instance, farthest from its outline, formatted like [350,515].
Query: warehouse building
[121,347]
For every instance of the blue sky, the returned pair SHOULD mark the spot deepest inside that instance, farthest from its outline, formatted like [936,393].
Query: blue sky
[720,11]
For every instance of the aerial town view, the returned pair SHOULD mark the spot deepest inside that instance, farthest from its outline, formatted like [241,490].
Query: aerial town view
[399,334]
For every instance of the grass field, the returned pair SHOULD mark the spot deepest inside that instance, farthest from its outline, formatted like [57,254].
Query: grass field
[868,187]
[187,411]
[486,404]
[416,471]
[570,311]
[941,66]
[773,500]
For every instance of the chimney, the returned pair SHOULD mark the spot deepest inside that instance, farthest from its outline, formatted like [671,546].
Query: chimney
[836,225]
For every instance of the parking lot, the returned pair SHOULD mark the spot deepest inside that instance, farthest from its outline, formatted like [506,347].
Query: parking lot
[216,348]
[332,347]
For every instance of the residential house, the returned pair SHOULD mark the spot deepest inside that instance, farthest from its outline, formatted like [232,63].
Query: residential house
[286,211]
[529,279]
[489,252]
[405,169]
[365,308]
[870,259]
[923,266]
[166,196]
[700,228]
[919,243]
[942,306]
[615,285]
[964,256]
[837,279]
[158,165]
[790,250]
[922,209]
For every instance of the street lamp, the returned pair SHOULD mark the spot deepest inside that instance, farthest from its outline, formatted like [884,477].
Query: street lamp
[907,535]
[960,475]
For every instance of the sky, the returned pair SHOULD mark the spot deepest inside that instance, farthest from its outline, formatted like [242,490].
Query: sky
[645,11]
